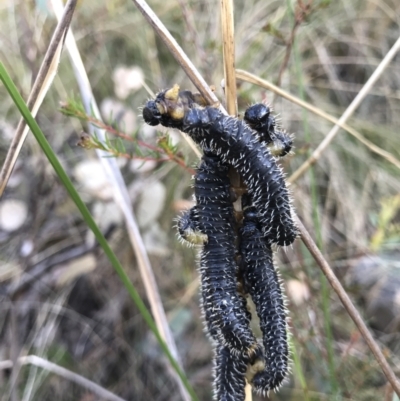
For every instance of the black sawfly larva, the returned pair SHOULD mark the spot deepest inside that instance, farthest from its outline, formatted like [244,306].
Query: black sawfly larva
[224,309]
[229,375]
[238,146]
[259,118]
[188,228]
[261,281]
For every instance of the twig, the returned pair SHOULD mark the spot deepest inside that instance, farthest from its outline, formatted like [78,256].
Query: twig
[388,392]
[177,52]
[349,111]
[348,305]
[100,124]
[248,77]
[228,41]
[65,373]
[122,199]
[42,83]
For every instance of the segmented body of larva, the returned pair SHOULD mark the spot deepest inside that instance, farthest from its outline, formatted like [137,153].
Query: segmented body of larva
[259,118]
[224,309]
[238,146]
[230,373]
[244,145]
[261,281]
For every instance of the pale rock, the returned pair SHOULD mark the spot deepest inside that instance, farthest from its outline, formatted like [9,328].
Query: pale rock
[151,203]
[147,132]
[13,214]
[297,291]
[127,80]
[27,247]
[92,177]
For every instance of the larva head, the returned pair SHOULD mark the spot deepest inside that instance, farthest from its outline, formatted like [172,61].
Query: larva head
[259,118]
[167,109]
[151,114]
[189,230]
[257,115]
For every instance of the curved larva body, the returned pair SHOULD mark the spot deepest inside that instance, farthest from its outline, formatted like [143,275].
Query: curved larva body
[262,282]
[259,118]
[237,145]
[224,309]
[230,371]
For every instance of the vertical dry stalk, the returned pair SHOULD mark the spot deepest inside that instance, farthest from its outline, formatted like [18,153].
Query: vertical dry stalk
[176,51]
[228,40]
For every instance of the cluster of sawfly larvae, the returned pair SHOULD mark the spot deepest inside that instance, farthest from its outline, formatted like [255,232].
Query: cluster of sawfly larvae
[235,263]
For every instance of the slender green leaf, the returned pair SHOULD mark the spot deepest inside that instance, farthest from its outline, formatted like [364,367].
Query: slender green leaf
[37,132]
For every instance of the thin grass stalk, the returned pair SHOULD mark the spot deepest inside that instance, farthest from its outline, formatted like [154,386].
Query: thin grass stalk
[65,373]
[228,41]
[251,78]
[122,199]
[37,132]
[348,305]
[176,51]
[43,81]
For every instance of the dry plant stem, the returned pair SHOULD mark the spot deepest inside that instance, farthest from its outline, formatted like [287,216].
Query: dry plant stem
[388,392]
[247,392]
[65,373]
[228,39]
[122,199]
[229,55]
[181,58]
[41,85]
[177,52]
[170,156]
[349,111]
[350,308]
[248,77]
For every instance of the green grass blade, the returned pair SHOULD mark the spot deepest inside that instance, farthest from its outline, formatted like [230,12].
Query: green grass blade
[37,132]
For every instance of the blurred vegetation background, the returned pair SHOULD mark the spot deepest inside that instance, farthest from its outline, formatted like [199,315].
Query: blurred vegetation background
[78,315]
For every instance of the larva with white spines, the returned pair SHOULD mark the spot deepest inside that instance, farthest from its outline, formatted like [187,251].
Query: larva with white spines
[262,282]
[238,146]
[229,373]
[188,228]
[224,309]
[259,118]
